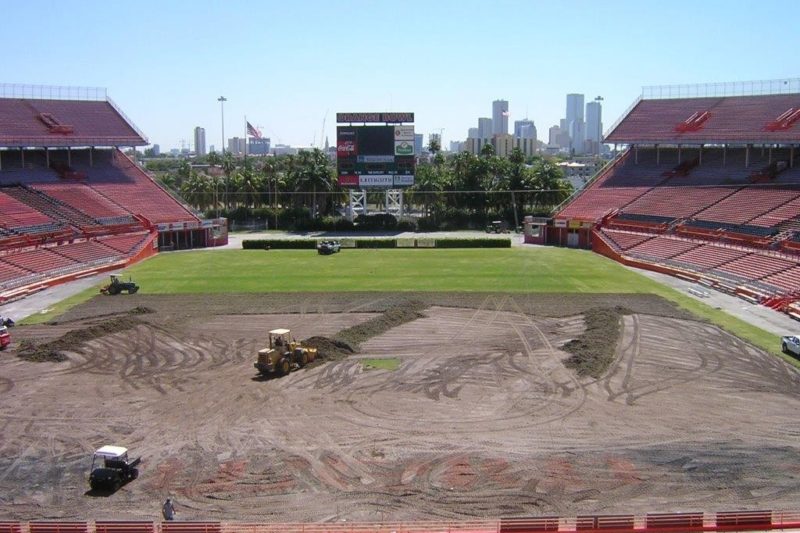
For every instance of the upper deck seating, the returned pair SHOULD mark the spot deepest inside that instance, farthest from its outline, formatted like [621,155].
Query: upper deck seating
[118,179]
[16,214]
[83,198]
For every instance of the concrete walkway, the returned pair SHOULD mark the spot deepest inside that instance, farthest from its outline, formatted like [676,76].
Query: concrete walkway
[763,317]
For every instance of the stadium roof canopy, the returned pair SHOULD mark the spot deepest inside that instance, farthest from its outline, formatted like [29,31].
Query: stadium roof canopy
[51,122]
[756,119]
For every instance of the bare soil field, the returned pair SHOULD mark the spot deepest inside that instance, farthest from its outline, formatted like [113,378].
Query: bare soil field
[481,418]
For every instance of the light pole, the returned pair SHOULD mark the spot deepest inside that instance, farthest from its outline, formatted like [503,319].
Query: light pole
[599,100]
[222,101]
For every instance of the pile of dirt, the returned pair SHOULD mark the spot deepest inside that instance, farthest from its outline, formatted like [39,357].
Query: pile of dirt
[329,349]
[593,351]
[398,314]
[72,341]
[347,341]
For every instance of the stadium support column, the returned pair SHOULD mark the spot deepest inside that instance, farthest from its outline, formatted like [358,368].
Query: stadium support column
[47,156]
[747,157]
[658,155]
[724,154]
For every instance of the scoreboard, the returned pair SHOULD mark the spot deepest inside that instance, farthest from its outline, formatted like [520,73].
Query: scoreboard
[370,157]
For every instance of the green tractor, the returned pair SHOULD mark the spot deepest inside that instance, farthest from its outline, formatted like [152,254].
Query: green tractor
[117,286]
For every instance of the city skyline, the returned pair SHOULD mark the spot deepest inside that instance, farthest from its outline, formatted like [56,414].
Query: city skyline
[290,67]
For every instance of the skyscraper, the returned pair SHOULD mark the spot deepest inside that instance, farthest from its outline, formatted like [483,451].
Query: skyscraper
[575,125]
[500,117]
[524,129]
[594,126]
[474,133]
[417,144]
[200,141]
[485,128]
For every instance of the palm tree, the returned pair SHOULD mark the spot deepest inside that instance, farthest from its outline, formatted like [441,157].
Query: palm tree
[311,170]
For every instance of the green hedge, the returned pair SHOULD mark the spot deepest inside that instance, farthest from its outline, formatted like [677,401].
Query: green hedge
[473,243]
[279,244]
[376,243]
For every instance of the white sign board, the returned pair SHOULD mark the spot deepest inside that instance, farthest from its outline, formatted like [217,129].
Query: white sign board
[404,133]
[376,180]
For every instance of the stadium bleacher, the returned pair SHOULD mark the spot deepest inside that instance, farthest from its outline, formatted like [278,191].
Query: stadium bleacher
[72,207]
[706,185]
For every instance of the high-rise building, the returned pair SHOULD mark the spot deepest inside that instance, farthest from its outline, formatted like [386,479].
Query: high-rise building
[200,141]
[503,144]
[455,146]
[256,146]
[524,129]
[552,138]
[156,149]
[594,126]
[418,143]
[575,124]
[236,145]
[500,117]
[474,133]
[485,128]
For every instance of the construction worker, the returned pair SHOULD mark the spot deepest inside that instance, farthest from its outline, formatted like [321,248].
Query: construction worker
[168,510]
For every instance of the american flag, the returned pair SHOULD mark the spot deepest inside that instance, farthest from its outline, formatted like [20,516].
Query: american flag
[505,113]
[253,131]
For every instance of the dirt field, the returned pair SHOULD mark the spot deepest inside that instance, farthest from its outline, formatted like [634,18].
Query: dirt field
[481,419]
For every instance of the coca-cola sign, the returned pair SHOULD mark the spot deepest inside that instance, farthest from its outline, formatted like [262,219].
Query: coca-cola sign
[346,148]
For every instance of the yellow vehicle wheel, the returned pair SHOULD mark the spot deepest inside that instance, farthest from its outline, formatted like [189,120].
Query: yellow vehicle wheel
[284,367]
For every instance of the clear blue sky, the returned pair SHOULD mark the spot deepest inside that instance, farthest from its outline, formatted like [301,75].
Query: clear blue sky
[288,64]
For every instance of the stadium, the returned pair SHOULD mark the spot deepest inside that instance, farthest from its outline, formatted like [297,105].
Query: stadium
[463,388]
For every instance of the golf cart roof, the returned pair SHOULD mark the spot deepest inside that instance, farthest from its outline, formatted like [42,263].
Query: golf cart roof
[279,331]
[111,452]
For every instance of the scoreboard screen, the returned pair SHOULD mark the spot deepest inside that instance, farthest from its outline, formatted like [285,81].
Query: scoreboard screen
[375,156]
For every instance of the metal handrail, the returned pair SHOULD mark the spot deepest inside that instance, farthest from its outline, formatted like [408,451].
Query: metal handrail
[627,112]
[128,120]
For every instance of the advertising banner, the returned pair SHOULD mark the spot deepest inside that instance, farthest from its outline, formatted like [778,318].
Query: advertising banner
[346,145]
[403,181]
[404,148]
[348,180]
[376,180]
[375,159]
[404,133]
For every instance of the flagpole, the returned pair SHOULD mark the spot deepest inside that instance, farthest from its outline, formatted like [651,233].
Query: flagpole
[245,138]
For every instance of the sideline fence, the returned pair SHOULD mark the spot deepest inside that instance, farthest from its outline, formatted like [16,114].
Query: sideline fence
[725,521]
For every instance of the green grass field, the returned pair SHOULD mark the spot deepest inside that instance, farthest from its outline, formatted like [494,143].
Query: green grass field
[513,270]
